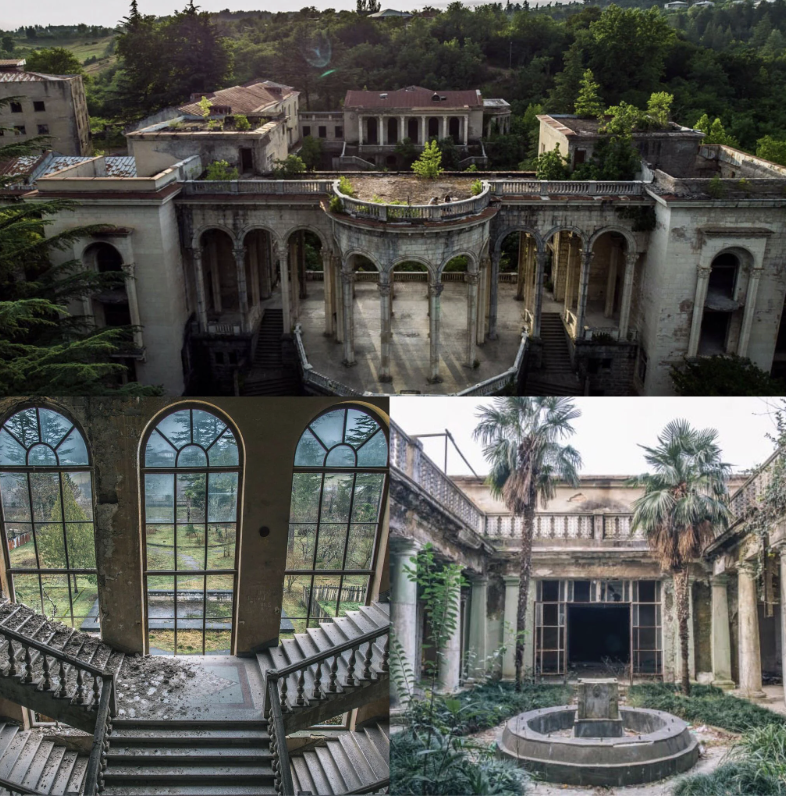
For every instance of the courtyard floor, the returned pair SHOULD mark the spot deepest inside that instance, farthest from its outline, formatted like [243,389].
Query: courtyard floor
[410,346]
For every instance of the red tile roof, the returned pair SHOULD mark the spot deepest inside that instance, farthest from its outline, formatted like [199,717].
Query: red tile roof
[253,97]
[413,97]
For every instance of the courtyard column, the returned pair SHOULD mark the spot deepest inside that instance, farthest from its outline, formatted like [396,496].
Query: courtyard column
[266,277]
[294,281]
[348,283]
[611,282]
[338,301]
[327,282]
[133,303]
[627,293]
[750,309]
[509,625]
[444,127]
[782,551]
[465,124]
[361,136]
[381,133]
[286,304]
[404,601]
[540,269]
[699,298]
[521,267]
[254,269]
[242,288]
[472,316]
[434,292]
[450,657]
[478,627]
[215,276]
[581,310]
[402,124]
[569,273]
[386,334]
[494,295]
[483,290]
[199,276]
[750,650]
[423,130]
[720,635]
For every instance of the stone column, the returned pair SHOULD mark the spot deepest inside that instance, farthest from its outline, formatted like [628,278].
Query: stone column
[199,277]
[465,125]
[483,287]
[472,317]
[348,283]
[782,551]
[581,311]
[386,333]
[540,268]
[494,295]
[521,267]
[361,131]
[255,269]
[720,635]
[338,293]
[699,298]
[133,303]
[286,302]
[509,625]
[266,265]
[434,292]
[242,288]
[402,128]
[327,283]
[611,282]
[404,599]
[381,130]
[750,650]
[444,127]
[215,276]
[294,280]
[423,130]
[450,657]
[478,626]
[627,293]
[569,274]
[750,311]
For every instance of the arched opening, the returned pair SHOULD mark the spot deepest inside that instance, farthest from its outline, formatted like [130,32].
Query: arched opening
[433,127]
[392,131]
[413,130]
[338,491]
[192,476]
[260,276]
[604,286]
[306,273]
[220,273]
[454,128]
[719,323]
[110,306]
[517,289]
[372,131]
[459,329]
[566,250]
[47,530]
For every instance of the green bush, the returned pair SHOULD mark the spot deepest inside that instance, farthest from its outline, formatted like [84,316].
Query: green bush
[221,170]
[730,779]
[345,186]
[290,167]
[477,187]
[429,164]
[336,205]
[242,122]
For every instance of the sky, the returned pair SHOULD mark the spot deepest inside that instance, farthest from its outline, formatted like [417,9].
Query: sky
[608,432]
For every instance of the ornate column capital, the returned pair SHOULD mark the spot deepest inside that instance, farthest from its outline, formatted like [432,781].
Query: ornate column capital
[631,258]
[129,269]
[704,271]
[721,580]
[472,277]
[587,256]
[347,277]
[383,288]
[239,251]
[435,290]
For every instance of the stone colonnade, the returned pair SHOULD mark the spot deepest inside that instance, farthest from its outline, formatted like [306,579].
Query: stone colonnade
[402,125]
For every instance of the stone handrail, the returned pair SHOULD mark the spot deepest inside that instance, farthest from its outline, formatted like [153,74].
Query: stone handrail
[565,187]
[403,214]
[495,384]
[15,789]
[96,765]
[315,378]
[553,525]
[748,496]
[275,187]
[282,774]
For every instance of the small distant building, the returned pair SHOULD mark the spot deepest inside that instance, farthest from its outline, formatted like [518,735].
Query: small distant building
[704,4]
[676,5]
[50,105]
[387,13]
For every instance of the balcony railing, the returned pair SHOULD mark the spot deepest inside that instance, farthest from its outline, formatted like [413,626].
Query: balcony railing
[565,188]
[550,525]
[749,495]
[274,187]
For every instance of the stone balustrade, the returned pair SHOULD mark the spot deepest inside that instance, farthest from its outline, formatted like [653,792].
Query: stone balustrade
[749,495]
[570,526]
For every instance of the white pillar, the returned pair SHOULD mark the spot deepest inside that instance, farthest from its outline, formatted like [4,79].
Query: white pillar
[403,601]
[450,657]
[509,627]
[472,317]
[494,297]
[782,551]
[385,333]
[581,311]
[327,284]
[348,283]
[133,304]
[338,293]
[465,124]
[444,127]
[199,276]
[381,130]
[402,128]
[434,292]
[699,298]
[540,268]
[611,282]
[750,310]
[361,131]
[750,649]
[242,288]
[423,129]
[283,264]
[483,286]
[627,292]
[478,626]
[720,634]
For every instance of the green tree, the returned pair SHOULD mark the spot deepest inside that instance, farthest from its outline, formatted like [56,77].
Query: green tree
[311,152]
[588,100]
[771,149]
[429,164]
[288,168]
[659,108]
[552,165]
[221,170]
[7,44]
[723,375]
[54,61]
[682,509]
[567,84]
[715,132]
[522,441]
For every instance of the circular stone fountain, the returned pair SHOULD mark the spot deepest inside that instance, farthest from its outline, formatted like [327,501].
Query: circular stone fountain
[599,743]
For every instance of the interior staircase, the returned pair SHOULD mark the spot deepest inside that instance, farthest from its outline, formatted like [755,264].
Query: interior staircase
[268,374]
[347,762]
[556,376]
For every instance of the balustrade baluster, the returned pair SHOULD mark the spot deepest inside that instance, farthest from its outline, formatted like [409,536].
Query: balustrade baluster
[317,692]
[385,654]
[301,687]
[80,687]
[350,680]
[367,661]
[284,703]
[28,675]
[95,692]
[47,677]
[11,659]
[61,691]
[333,672]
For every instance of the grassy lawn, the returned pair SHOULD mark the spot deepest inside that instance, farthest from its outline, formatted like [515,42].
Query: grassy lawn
[191,547]
[189,642]
[83,48]
[56,601]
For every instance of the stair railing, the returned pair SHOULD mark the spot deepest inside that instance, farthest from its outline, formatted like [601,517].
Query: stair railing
[282,774]
[96,765]
[325,665]
[373,787]
[15,789]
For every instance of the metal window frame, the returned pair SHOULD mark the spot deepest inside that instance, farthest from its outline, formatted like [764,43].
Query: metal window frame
[204,573]
[636,628]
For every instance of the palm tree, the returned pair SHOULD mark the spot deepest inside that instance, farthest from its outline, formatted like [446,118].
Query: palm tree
[682,508]
[522,441]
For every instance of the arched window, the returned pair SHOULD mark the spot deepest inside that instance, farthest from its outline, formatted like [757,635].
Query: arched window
[46,494]
[191,470]
[338,486]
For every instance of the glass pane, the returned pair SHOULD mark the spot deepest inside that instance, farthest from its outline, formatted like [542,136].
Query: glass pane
[309,453]
[647,615]
[53,426]
[177,428]
[159,497]
[56,597]
[189,641]
[72,449]
[222,497]
[21,550]
[16,500]
[162,642]
[190,546]
[159,452]
[41,456]
[77,496]
[330,547]
[191,497]
[51,545]
[375,452]
[24,426]
[329,428]
[648,639]
[550,614]
[221,546]
[190,603]
[45,491]
[306,489]
[549,590]
[84,590]
[368,492]
[192,456]
[220,589]
[81,545]
[11,452]
[160,546]
[295,602]
[353,593]
[206,427]
[160,601]
[325,598]
[342,456]
[360,427]
[300,546]
[27,591]
[223,452]
[646,591]
[337,497]
[361,546]
[218,642]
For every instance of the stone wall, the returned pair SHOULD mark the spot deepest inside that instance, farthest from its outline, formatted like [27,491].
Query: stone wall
[607,368]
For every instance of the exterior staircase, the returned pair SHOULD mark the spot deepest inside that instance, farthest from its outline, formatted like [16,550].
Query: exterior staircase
[556,376]
[268,374]
[347,762]
[36,764]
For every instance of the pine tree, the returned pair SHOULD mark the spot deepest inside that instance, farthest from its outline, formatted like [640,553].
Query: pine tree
[429,164]
[588,101]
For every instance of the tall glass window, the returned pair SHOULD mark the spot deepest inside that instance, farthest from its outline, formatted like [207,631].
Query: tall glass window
[338,487]
[191,474]
[46,495]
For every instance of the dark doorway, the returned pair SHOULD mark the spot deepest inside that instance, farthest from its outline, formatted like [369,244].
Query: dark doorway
[392,130]
[454,125]
[598,633]
[412,130]
[372,131]
[246,159]
[433,127]
[714,331]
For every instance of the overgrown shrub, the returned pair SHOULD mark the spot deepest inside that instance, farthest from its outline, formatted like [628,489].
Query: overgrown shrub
[345,186]
[477,187]
[730,779]
[221,170]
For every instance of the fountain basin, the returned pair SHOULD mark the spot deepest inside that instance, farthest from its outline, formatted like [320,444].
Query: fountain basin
[542,742]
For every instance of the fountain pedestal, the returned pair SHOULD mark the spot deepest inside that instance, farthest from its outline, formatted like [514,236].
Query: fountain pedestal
[598,712]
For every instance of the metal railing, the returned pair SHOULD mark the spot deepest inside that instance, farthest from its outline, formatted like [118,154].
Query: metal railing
[282,774]
[565,187]
[96,765]
[275,187]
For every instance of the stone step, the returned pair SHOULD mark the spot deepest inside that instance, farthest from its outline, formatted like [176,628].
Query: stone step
[175,789]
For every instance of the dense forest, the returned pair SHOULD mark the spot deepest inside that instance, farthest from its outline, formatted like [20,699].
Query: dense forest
[726,61]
